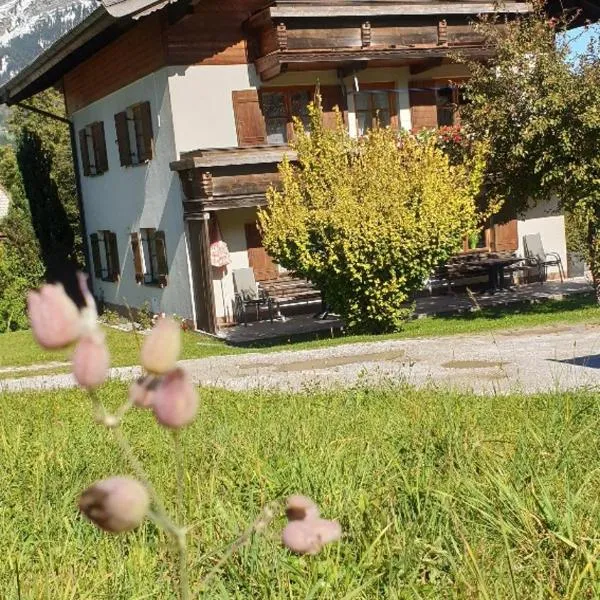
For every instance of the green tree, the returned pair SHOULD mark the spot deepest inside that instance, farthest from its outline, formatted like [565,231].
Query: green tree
[45,160]
[539,112]
[368,220]
[21,267]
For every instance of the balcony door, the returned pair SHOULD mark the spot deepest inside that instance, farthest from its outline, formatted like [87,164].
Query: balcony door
[261,263]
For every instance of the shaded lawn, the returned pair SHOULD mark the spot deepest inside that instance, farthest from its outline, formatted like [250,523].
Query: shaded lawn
[440,495]
[19,349]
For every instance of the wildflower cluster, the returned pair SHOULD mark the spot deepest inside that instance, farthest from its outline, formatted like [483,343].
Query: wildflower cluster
[121,503]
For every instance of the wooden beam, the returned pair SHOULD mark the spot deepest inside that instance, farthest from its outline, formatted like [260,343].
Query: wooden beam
[204,297]
[425,66]
[367,9]
[364,55]
[224,157]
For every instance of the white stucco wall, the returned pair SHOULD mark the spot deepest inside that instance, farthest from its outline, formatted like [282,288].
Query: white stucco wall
[126,199]
[232,224]
[545,220]
[201,99]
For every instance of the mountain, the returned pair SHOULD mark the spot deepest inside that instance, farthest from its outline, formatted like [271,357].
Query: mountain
[28,27]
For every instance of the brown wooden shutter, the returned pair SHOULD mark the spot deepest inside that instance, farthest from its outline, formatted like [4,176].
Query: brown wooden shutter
[261,263]
[423,105]
[249,120]
[161,257]
[332,96]
[99,143]
[85,155]
[123,139]
[95,242]
[138,264]
[144,133]
[114,269]
[506,237]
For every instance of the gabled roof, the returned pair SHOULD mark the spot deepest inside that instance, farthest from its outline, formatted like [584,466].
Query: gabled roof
[107,22]
[134,8]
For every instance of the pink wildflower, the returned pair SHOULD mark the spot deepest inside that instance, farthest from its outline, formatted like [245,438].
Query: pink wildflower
[175,400]
[54,317]
[116,504]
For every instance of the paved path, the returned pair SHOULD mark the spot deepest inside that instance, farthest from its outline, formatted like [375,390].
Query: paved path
[530,360]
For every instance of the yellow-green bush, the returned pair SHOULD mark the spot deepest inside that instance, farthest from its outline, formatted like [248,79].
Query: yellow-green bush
[367,220]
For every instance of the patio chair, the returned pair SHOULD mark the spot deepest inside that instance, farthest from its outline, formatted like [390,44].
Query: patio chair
[536,255]
[249,293]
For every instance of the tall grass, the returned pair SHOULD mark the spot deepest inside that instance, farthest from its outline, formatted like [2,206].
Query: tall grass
[441,496]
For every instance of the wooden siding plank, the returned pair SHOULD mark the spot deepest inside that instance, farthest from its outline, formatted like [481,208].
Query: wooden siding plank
[134,55]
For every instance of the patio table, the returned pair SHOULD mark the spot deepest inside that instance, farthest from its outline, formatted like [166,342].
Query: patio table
[494,265]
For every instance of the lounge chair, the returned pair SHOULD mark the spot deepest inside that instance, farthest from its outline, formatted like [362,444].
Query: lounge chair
[249,293]
[537,256]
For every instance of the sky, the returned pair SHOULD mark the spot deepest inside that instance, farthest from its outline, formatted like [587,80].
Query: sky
[580,38]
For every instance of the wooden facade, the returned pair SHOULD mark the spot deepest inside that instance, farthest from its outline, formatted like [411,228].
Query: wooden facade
[223,179]
[293,35]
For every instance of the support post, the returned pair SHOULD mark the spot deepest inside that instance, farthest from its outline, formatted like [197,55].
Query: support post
[204,298]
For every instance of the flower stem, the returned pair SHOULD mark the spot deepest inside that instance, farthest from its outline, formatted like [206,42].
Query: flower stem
[160,514]
[181,541]
[259,525]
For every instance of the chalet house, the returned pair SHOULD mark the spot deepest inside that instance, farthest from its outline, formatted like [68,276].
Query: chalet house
[182,110]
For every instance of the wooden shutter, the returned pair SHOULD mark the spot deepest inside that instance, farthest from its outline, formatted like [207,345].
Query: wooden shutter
[332,96]
[506,237]
[261,263]
[85,155]
[161,257]
[112,254]
[423,105]
[143,130]
[99,143]
[138,263]
[249,120]
[95,242]
[123,140]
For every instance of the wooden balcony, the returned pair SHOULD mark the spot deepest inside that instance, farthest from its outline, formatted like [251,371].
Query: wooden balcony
[226,178]
[310,34]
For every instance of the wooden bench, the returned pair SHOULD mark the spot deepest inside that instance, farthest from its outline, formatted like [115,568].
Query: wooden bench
[289,290]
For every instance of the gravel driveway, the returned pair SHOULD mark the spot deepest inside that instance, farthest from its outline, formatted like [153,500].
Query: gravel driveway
[529,360]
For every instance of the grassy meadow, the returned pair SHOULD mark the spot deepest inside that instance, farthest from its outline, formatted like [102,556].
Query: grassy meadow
[18,349]
[440,495]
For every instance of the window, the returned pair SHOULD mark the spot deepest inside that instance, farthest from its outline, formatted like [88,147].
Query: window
[279,109]
[373,108]
[449,100]
[92,145]
[105,255]
[435,104]
[267,118]
[150,257]
[134,134]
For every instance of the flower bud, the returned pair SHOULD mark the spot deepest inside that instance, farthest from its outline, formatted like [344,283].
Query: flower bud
[141,392]
[300,507]
[162,347]
[116,504]
[175,401]
[310,535]
[91,361]
[54,317]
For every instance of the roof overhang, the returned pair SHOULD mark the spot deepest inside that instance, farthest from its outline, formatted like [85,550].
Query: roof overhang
[46,70]
[111,19]
[134,8]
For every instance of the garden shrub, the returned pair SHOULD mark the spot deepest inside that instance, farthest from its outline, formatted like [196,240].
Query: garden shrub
[367,220]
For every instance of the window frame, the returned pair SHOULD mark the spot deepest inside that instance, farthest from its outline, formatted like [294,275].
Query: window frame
[108,266]
[388,87]
[149,260]
[139,146]
[93,149]
[287,92]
